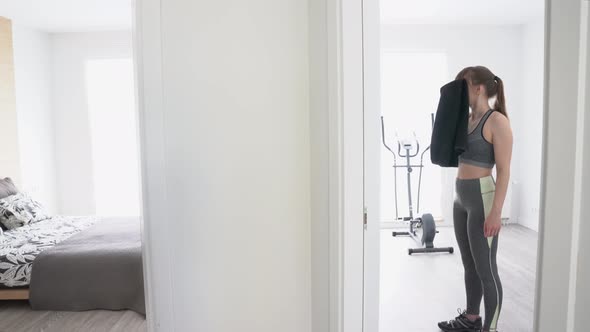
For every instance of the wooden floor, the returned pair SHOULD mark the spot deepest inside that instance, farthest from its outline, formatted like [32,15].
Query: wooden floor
[17,316]
[420,290]
[416,291]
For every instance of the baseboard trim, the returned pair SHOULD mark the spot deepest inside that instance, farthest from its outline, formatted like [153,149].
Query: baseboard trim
[439,223]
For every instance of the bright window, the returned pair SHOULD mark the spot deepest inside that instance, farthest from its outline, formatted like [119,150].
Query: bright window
[410,84]
[111,108]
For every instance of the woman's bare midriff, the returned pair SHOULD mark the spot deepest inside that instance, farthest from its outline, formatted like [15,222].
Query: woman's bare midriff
[467,171]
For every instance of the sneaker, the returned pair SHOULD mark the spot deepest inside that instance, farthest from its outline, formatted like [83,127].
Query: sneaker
[461,324]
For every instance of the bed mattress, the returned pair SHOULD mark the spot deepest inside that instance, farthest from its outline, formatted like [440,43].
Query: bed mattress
[20,246]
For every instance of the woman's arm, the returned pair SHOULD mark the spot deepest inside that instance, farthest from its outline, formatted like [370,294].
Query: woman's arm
[502,140]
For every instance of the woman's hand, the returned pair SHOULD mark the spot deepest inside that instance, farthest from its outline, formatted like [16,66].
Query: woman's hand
[492,224]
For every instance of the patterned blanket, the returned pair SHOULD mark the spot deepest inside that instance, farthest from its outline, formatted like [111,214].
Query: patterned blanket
[20,246]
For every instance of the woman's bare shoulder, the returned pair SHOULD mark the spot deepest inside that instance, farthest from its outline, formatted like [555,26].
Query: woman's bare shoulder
[499,120]
[500,123]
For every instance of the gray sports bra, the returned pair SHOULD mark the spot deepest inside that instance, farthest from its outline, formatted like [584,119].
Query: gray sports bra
[479,151]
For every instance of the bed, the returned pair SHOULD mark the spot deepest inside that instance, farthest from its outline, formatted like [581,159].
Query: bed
[67,263]
[20,246]
[74,264]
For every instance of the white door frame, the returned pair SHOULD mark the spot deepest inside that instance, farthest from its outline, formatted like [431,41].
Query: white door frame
[562,110]
[372,158]
[345,95]
[354,296]
[148,70]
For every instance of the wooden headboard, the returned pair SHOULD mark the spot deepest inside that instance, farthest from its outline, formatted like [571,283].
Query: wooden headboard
[9,158]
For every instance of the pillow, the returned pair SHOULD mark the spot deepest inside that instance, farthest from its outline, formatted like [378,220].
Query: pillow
[7,218]
[7,188]
[19,210]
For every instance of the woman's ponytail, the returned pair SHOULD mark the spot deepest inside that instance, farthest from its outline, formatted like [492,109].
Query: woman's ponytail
[500,104]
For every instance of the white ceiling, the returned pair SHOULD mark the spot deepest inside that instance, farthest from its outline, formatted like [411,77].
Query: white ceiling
[87,15]
[69,15]
[461,11]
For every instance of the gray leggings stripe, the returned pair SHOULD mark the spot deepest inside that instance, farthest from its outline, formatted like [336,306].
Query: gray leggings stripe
[478,253]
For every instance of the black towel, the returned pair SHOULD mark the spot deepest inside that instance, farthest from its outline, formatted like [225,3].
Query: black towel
[449,135]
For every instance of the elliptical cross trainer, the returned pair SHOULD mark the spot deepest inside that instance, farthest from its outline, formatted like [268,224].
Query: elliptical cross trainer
[426,222]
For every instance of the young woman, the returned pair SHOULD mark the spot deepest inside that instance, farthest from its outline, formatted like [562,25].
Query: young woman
[479,198]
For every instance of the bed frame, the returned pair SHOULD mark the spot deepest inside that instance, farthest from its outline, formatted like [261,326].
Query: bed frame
[14,294]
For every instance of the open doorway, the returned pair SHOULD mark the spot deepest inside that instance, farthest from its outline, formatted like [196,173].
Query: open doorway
[70,196]
[421,50]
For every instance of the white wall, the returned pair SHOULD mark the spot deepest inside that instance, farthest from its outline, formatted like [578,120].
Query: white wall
[72,131]
[226,157]
[496,47]
[528,129]
[32,61]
